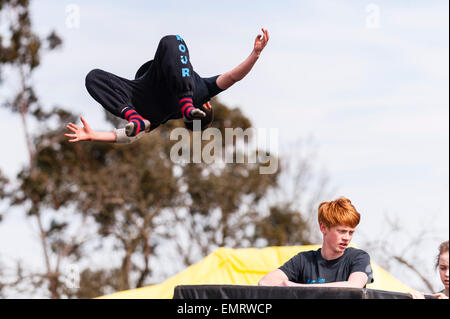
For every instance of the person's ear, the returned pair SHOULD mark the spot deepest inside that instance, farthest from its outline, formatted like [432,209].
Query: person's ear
[323,228]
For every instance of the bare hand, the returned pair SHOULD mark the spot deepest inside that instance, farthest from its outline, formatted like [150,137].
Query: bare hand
[261,41]
[440,295]
[207,106]
[79,133]
[416,294]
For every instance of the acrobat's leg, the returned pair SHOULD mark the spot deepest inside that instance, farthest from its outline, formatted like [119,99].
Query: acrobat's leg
[174,66]
[100,85]
[136,123]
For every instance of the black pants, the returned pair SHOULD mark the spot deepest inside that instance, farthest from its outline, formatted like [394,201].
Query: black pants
[169,76]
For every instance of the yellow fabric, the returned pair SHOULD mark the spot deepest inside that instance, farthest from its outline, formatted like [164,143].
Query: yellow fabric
[245,266]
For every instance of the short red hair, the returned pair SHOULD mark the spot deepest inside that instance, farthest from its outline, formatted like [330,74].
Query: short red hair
[338,212]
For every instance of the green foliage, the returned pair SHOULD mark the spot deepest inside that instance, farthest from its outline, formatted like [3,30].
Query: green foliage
[22,46]
[129,190]
[284,226]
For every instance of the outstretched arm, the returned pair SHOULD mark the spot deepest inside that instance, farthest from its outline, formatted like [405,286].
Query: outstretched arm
[85,133]
[227,79]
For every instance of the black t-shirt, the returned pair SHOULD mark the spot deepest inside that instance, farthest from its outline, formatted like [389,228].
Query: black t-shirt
[310,267]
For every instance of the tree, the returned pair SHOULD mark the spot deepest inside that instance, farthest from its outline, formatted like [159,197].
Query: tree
[234,205]
[84,195]
[409,257]
[21,49]
[130,192]
[117,188]
[3,191]
[139,198]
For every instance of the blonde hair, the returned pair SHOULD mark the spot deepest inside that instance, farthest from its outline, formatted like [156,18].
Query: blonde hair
[338,212]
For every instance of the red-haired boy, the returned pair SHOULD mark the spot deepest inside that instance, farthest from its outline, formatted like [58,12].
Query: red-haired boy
[333,265]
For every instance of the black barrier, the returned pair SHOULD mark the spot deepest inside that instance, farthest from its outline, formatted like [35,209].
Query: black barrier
[266,292]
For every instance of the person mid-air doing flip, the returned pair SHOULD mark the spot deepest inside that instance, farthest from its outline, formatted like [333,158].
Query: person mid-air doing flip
[164,88]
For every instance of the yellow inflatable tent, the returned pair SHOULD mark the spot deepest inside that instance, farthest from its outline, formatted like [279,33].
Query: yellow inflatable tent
[245,266]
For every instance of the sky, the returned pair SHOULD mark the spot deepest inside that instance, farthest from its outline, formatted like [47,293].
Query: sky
[367,81]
